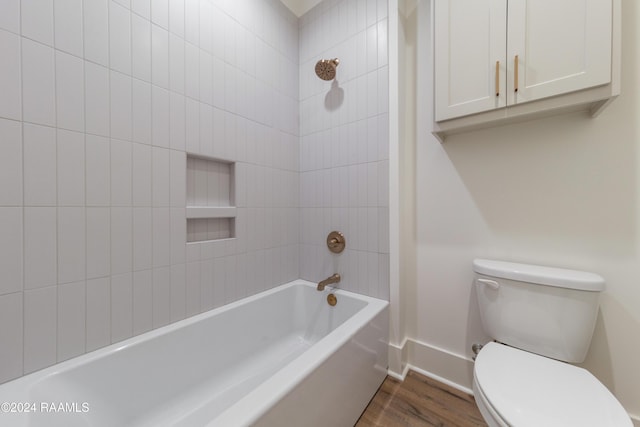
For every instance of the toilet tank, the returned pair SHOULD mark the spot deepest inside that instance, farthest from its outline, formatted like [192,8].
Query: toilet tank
[544,310]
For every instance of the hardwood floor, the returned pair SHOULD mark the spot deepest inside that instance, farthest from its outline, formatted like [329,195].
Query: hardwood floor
[420,401]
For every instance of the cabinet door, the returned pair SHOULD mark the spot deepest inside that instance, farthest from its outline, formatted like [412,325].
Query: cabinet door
[469,43]
[561,46]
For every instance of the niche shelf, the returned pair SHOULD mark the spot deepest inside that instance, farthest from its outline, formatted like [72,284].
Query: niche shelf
[210,209]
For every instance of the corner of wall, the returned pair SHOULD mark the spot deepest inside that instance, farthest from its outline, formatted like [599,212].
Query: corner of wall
[442,365]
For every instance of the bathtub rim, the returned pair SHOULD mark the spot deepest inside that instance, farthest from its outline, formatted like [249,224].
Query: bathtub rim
[19,389]
[258,402]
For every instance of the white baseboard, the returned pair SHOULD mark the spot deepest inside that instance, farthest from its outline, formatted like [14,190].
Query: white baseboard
[400,376]
[636,420]
[442,365]
[398,367]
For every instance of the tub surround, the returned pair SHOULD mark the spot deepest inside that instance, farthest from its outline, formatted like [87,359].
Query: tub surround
[344,144]
[103,101]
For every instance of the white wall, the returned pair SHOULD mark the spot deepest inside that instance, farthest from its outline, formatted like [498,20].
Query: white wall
[561,191]
[344,146]
[100,101]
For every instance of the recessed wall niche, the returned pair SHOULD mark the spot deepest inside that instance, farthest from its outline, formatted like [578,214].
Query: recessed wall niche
[210,207]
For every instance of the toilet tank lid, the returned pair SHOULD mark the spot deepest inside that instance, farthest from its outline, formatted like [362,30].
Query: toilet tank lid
[550,276]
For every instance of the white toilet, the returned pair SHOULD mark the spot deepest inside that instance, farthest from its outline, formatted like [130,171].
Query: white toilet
[541,318]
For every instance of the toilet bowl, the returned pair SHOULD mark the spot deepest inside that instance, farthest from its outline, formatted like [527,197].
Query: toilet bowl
[541,318]
[516,388]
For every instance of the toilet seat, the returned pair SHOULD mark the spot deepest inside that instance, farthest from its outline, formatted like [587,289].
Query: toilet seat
[523,389]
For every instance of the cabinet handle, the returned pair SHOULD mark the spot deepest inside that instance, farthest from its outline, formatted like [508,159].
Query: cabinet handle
[497,78]
[515,72]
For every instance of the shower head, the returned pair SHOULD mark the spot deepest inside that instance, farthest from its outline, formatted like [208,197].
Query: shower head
[326,68]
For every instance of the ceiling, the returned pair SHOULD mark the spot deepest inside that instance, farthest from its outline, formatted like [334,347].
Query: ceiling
[300,7]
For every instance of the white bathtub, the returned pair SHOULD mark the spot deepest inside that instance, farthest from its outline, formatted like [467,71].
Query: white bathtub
[280,358]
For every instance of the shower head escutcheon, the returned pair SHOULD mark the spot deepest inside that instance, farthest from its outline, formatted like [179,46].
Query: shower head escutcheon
[326,68]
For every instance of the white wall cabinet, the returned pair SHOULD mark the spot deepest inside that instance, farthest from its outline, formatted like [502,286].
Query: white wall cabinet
[496,61]
[470,56]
